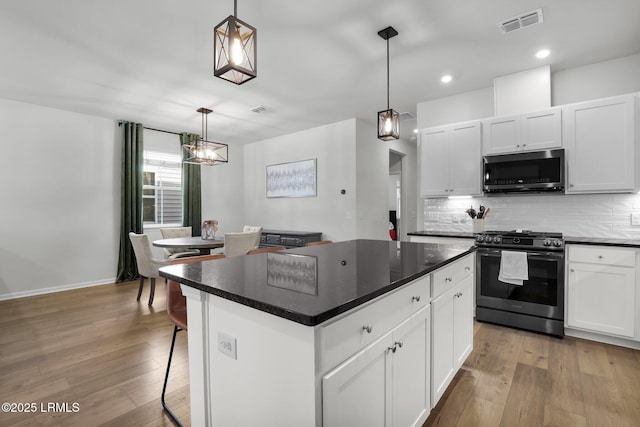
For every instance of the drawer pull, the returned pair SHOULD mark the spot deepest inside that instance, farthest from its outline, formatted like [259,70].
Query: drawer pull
[467,268]
[415,298]
[571,270]
[398,343]
[447,279]
[367,328]
[458,295]
[600,256]
[393,349]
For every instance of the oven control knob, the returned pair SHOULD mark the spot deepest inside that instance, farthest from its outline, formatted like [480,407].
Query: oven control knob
[479,238]
[557,243]
[496,239]
[547,242]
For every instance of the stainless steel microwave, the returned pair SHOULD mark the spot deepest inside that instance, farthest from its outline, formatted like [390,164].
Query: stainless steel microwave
[534,172]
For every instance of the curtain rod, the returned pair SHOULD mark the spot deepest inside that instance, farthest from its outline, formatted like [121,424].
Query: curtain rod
[157,130]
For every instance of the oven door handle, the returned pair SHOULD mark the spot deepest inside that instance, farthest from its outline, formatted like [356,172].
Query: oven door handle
[559,254]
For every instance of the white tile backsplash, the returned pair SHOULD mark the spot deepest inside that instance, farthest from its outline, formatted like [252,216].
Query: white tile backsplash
[589,215]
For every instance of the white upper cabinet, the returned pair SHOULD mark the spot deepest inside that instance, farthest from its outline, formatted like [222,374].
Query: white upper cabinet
[539,130]
[450,160]
[600,138]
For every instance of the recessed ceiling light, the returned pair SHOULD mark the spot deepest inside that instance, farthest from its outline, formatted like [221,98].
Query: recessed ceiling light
[415,131]
[446,78]
[542,53]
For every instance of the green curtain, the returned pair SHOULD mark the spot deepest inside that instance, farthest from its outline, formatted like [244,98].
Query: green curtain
[191,193]
[130,197]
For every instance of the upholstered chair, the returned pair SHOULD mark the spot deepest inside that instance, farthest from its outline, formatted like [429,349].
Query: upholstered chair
[148,266]
[253,229]
[172,233]
[239,243]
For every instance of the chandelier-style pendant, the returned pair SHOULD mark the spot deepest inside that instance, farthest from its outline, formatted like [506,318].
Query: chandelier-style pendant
[203,152]
[388,125]
[235,50]
[389,119]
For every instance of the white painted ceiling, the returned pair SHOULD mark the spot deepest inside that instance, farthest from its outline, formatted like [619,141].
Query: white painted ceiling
[318,62]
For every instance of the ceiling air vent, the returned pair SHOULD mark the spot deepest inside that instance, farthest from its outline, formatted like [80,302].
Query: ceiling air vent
[522,21]
[406,116]
[258,109]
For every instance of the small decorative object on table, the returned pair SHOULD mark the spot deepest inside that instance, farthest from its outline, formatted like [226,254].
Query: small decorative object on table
[209,228]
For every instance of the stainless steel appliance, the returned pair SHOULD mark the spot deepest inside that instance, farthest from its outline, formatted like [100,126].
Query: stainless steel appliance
[539,171]
[538,304]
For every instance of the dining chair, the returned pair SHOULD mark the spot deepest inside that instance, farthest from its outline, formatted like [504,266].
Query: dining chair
[239,243]
[177,312]
[148,266]
[269,249]
[253,229]
[321,242]
[172,233]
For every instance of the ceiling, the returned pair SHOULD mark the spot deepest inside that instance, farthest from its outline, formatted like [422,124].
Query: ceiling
[319,62]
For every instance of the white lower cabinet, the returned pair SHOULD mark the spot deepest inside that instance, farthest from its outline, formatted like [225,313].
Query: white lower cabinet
[452,327]
[601,290]
[386,383]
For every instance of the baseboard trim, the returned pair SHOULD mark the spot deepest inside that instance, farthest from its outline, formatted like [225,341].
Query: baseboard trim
[43,291]
[622,342]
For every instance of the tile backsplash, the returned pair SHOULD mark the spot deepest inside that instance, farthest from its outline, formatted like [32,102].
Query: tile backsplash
[589,215]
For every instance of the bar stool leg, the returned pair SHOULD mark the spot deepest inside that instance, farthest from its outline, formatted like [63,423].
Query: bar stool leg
[166,377]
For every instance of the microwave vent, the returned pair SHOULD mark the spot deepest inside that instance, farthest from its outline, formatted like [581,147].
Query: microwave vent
[521,21]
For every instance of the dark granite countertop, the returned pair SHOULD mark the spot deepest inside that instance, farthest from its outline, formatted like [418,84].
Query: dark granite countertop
[459,234]
[602,241]
[310,285]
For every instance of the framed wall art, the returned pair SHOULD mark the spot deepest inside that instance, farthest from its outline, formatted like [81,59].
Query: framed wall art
[294,179]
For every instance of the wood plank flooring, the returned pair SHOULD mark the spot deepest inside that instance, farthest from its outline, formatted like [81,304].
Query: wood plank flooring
[106,352]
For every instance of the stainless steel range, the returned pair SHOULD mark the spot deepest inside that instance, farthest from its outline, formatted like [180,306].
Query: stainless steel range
[537,304]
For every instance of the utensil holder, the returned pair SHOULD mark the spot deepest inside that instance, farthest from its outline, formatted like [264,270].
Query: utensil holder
[478,225]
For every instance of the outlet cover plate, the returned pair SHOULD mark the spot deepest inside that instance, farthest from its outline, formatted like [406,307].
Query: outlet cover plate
[227,345]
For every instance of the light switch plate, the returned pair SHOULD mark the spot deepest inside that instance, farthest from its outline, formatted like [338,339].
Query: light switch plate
[635,218]
[227,345]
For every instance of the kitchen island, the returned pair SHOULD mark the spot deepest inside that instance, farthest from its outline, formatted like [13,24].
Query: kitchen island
[336,334]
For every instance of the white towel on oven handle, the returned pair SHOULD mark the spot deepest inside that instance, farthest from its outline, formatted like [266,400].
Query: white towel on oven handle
[514,268]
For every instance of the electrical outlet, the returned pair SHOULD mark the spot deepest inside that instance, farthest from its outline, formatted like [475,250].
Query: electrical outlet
[635,218]
[227,345]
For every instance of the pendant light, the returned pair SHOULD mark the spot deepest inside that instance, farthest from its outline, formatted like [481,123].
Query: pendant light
[203,152]
[389,119]
[235,49]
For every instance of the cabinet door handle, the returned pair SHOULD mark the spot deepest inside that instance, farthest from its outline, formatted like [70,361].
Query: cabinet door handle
[367,328]
[571,185]
[415,298]
[393,349]
[600,256]
[571,270]
[398,343]
[447,279]
[467,268]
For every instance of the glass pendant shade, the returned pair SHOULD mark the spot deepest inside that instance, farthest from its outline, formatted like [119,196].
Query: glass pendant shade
[203,152]
[235,51]
[388,125]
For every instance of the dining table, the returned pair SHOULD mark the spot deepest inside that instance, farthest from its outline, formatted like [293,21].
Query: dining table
[204,246]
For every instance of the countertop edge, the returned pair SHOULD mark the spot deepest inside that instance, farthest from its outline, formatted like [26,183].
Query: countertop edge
[308,320]
[457,234]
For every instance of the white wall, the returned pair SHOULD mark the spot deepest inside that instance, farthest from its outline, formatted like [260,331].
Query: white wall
[60,190]
[222,192]
[330,212]
[577,215]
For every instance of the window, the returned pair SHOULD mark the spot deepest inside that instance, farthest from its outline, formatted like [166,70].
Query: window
[161,188]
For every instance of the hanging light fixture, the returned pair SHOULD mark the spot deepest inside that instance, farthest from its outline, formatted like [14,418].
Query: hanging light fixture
[203,152]
[389,119]
[235,49]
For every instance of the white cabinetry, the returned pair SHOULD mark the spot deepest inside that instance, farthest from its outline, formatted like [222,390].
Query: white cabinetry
[449,160]
[452,323]
[601,289]
[385,384]
[539,130]
[600,138]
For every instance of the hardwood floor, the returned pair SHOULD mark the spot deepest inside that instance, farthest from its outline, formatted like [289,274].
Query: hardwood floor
[101,349]
[518,378]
